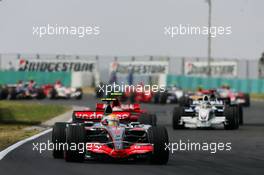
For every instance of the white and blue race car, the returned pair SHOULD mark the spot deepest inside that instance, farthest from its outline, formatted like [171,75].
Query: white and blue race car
[206,113]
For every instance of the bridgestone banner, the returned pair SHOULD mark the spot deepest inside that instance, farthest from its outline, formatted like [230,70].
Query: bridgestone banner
[140,67]
[218,68]
[34,65]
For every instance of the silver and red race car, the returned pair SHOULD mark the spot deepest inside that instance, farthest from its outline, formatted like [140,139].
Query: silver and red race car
[106,137]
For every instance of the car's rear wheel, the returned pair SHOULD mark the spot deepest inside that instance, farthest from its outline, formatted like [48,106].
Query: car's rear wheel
[163,97]
[58,139]
[158,136]
[3,93]
[40,94]
[247,100]
[184,101]
[156,98]
[232,116]
[148,119]
[75,135]
[12,94]
[241,117]
[176,117]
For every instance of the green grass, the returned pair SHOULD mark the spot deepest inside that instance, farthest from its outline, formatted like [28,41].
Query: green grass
[28,113]
[11,133]
[16,116]
[257,96]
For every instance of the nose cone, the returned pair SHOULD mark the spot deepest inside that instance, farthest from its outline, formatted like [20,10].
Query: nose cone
[117,135]
[204,114]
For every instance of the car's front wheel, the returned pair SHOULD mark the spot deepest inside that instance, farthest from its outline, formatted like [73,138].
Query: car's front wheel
[148,119]
[176,117]
[232,116]
[75,137]
[58,139]
[158,136]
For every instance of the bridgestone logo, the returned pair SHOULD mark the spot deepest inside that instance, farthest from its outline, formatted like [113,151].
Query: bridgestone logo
[62,66]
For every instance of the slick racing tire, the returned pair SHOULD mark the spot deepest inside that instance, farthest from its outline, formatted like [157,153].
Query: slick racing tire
[3,93]
[40,94]
[247,99]
[240,112]
[227,101]
[158,136]
[184,101]
[163,97]
[52,94]
[156,98]
[232,115]
[176,117]
[12,94]
[75,135]
[241,118]
[148,119]
[58,138]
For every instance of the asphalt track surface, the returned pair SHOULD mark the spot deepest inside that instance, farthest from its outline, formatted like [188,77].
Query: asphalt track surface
[245,157]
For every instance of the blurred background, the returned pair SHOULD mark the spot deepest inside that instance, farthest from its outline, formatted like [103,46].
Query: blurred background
[133,31]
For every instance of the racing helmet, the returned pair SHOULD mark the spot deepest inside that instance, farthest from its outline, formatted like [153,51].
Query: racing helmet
[110,120]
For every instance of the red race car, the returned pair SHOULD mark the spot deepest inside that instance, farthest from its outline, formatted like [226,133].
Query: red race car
[104,136]
[137,96]
[58,91]
[126,112]
[233,97]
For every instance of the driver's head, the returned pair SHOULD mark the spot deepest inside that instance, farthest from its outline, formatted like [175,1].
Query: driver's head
[110,120]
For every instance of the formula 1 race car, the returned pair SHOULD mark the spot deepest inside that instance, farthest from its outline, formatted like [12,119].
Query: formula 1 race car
[25,91]
[137,96]
[233,97]
[62,92]
[144,97]
[170,95]
[206,113]
[134,112]
[105,137]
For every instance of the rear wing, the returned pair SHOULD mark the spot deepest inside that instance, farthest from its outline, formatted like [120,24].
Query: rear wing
[125,107]
[96,116]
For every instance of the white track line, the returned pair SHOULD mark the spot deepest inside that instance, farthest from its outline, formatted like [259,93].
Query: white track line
[14,146]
